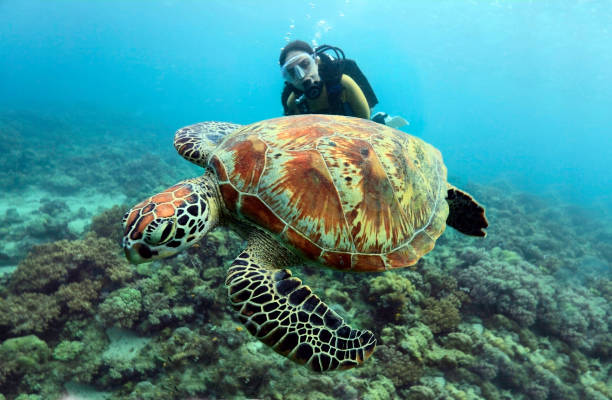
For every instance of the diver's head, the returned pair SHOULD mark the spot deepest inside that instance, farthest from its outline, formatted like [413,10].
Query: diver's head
[299,67]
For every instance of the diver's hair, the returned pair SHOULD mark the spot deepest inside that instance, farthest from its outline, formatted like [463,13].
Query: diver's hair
[296,45]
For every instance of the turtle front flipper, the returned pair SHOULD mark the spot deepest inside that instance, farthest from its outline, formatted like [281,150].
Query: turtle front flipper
[280,311]
[465,214]
[195,142]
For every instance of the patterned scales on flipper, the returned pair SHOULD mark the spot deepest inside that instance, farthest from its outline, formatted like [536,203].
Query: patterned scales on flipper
[195,142]
[284,314]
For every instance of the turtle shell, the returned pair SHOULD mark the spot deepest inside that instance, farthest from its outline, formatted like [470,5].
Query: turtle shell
[346,192]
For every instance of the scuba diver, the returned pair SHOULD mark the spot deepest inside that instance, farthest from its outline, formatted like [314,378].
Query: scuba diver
[317,82]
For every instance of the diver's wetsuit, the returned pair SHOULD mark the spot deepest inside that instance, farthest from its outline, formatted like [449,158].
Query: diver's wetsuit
[352,101]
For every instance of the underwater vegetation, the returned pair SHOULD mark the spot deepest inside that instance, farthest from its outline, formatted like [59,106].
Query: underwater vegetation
[524,314]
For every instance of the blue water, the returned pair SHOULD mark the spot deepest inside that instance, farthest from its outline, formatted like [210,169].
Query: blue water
[508,90]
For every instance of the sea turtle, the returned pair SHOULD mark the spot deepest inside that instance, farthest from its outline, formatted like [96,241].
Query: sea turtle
[333,191]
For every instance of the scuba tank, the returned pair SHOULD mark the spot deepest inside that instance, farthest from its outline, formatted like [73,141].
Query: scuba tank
[332,69]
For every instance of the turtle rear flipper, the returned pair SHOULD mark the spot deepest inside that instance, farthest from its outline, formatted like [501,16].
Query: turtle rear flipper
[280,311]
[465,214]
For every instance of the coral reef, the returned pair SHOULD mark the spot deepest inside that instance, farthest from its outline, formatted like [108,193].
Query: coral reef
[108,224]
[121,308]
[468,324]
[52,191]
[502,282]
[21,356]
[58,281]
[524,314]
[28,312]
[395,295]
[441,316]
[68,350]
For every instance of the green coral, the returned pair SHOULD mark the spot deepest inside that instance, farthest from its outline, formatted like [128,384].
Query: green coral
[145,390]
[80,365]
[68,350]
[157,308]
[393,294]
[21,356]
[406,349]
[380,389]
[185,344]
[172,294]
[29,397]
[420,392]
[458,340]
[121,308]
[448,359]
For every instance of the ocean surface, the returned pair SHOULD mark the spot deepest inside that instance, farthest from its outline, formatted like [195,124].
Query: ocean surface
[517,96]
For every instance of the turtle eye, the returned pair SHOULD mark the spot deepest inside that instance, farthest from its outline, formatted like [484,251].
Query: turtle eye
[159,232]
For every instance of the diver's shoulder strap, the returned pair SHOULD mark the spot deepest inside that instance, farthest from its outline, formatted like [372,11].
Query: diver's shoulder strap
[330,69]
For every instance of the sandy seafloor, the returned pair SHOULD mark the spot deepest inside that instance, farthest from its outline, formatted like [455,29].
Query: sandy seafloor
[522,314]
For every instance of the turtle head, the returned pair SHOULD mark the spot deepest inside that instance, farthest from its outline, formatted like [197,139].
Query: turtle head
[171,221]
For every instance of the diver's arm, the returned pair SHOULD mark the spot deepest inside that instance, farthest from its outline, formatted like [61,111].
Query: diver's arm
[355,98]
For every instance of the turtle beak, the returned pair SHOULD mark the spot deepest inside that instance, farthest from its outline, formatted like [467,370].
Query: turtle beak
[137,253]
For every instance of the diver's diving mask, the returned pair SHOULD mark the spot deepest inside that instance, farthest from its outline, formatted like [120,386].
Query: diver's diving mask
[297,67]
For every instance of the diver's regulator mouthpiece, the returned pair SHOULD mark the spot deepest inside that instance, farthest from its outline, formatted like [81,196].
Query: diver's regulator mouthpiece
[312,90]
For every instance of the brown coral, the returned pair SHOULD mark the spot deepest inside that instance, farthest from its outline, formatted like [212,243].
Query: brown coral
[406,371]
[108,224]
[50,265]
[79,296]
[441,315]
[57,280]
[393,294]
[29,312]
